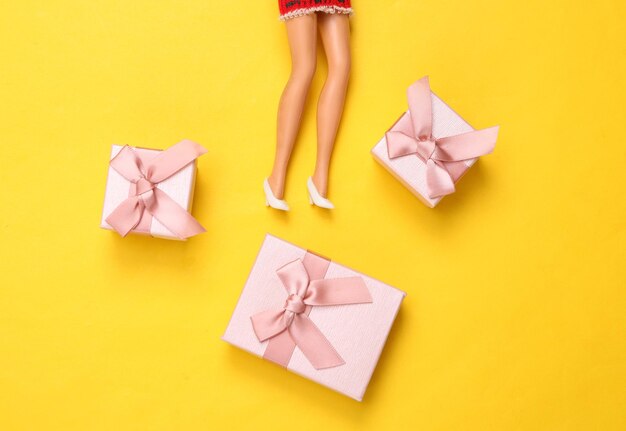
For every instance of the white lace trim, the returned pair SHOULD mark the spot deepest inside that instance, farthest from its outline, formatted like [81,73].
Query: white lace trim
[309,10]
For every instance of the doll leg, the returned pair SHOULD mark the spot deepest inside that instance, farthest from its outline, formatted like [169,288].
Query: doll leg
[335,34]
[302,35]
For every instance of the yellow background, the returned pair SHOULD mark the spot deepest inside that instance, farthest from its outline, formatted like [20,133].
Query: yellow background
[515,318]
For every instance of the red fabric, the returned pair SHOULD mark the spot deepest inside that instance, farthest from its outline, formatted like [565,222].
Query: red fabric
[287,6]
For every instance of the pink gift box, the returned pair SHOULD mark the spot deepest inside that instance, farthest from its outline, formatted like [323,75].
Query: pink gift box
[179,187]
[356,331]
[411,170]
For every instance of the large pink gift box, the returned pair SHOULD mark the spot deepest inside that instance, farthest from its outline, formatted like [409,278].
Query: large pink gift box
[150,192]
[315,317]
[431,147]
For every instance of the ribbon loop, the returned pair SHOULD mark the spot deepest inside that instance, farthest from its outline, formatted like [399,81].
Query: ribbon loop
[293,317]
[173,159]
[294,277]
[436,152]
[145,196]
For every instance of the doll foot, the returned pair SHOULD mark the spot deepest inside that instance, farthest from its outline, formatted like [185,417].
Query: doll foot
[315,198]
[271,200]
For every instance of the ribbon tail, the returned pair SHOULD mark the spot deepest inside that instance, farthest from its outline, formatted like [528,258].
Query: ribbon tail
[173,216]
[420,108]
[399,144]
[313,344]
[172,160]
[279,349]
[268,324]
[438,180]
[126,216]
[467,145]
[338,291]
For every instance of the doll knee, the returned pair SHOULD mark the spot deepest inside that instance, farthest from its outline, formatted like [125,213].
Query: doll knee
[303,72]
[340,69]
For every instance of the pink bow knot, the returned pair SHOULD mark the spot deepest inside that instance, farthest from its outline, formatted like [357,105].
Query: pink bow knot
[426,148]
[302,294]
[141,186]
[439,154]
[145,197]
[294,304]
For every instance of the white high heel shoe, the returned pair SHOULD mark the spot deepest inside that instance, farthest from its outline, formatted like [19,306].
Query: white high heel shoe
[271,200]
[315,198]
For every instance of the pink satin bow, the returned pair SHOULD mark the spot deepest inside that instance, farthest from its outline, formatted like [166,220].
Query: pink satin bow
[144,196]
[439,154]
[293,318]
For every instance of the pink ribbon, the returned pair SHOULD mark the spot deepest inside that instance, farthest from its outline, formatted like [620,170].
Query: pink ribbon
[145,197]
[441,155]
[290,326]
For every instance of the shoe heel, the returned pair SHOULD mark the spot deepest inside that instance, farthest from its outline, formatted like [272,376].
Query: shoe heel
[267,203]
[310,199]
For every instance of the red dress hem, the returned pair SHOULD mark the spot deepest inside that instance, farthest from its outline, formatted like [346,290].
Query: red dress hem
[295,8]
